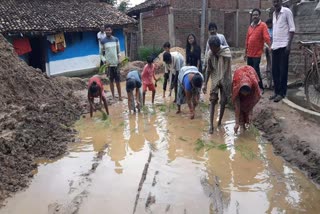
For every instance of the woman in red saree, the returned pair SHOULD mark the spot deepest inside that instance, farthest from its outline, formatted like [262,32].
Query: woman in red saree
[245,94]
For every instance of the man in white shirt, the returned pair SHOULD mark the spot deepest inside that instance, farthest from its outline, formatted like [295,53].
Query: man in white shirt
[100,36]
[283,32]
[173,62]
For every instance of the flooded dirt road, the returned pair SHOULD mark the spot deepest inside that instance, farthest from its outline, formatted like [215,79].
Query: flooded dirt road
[160,162]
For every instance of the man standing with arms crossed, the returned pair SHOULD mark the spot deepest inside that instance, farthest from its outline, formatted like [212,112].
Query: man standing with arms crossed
[283,31]
[111,47]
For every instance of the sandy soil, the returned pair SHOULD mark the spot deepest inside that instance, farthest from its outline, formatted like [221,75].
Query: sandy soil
[294,137]
[36,115]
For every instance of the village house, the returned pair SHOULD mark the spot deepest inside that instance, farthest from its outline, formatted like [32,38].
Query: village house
[173,20]
[60,37]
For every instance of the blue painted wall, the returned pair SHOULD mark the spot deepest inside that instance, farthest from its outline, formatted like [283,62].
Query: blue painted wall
[82,44]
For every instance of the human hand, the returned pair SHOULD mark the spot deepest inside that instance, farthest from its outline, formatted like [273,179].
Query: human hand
[236,127]
[288,49]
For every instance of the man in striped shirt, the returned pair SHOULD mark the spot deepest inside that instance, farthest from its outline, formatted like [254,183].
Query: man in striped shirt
[111,47]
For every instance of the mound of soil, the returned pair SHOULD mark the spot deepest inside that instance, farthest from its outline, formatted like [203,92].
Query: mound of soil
[36,114]
[293,136]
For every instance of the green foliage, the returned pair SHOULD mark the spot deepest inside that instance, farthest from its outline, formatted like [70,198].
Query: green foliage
[145,51]
[104,115]
[123,6]
[103,67]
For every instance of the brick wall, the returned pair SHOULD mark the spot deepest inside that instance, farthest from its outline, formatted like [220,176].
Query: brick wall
[307,22]
[249,4]
[155,30]
[222,4]
[188,4]
[186,22]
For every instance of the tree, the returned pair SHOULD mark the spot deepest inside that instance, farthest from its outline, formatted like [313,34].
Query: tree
[112,2]
[123,6]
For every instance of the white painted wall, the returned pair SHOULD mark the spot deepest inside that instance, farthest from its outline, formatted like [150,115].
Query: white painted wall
[74,66]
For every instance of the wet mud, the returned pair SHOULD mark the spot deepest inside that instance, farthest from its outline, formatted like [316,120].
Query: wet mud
[293,137]
[160,162]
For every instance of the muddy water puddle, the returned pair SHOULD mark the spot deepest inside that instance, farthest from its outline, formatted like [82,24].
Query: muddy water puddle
[160,162]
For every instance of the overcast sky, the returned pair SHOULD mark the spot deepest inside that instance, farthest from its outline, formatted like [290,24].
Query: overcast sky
[135,2]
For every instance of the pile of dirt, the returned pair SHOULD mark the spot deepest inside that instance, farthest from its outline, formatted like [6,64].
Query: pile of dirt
[36,115]
[293,137]
[138,65]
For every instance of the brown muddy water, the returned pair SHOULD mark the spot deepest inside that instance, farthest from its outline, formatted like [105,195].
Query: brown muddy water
[160,162]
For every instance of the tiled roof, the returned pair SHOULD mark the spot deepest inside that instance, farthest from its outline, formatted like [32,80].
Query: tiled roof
[147,5]
[57,15]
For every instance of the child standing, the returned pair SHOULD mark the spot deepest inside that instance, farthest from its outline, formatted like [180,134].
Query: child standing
[148,74]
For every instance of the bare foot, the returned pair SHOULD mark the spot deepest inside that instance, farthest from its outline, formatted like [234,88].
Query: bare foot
[192,116]
[120,99]
[211,130]
[178,112]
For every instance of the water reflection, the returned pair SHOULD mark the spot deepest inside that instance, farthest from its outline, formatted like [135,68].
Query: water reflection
[230,174]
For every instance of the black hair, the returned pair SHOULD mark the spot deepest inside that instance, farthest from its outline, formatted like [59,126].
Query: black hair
[150,59]
[245,89]
[107,26]
[166,45]
[94,88]
[130,84]
[212,25]
[256,9]
[197,80]
[214,41]
[188,46]
[167,57]
[269,21]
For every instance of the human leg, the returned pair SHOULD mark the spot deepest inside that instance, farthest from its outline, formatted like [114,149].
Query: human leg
[213,101]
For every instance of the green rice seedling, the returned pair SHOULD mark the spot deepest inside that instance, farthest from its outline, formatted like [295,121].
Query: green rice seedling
[104,115]
[200,144]
[162,108]
[246,152]
[222,147]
